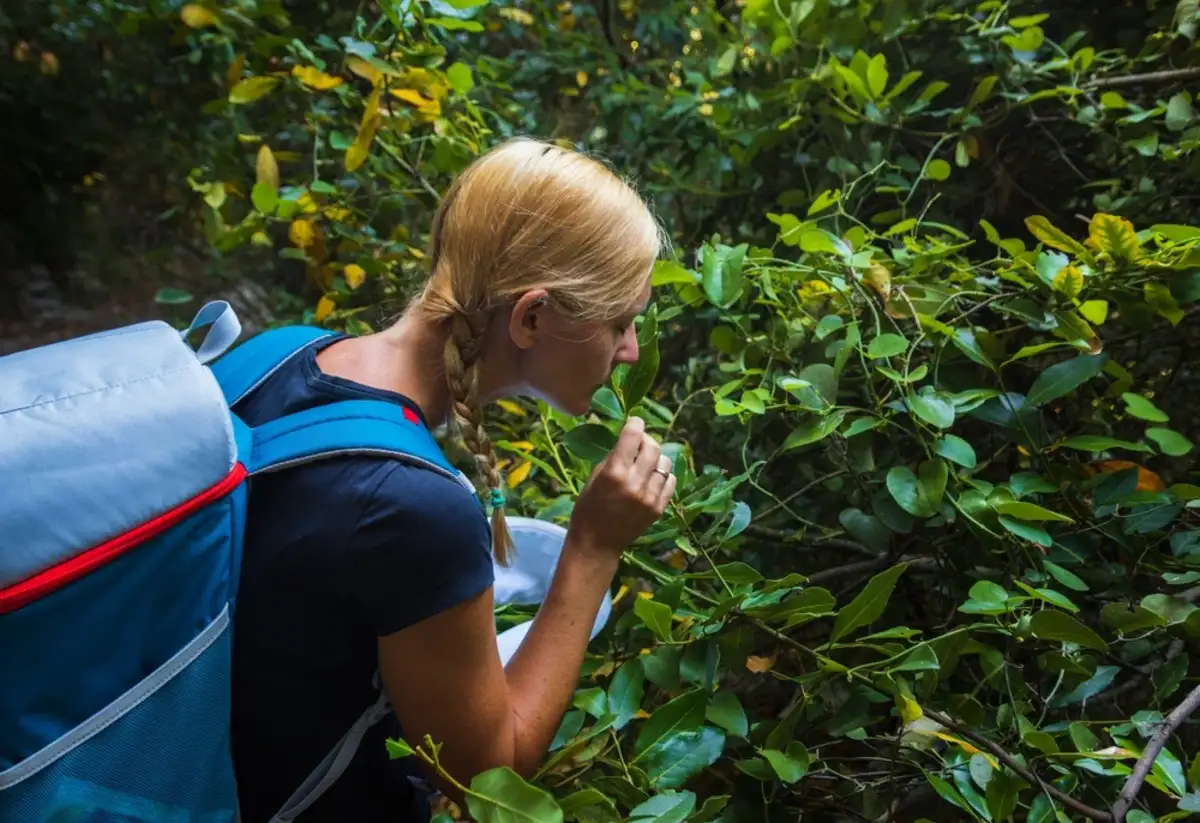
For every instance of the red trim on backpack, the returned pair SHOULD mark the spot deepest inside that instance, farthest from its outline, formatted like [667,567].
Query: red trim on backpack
[411,416]
[44,582]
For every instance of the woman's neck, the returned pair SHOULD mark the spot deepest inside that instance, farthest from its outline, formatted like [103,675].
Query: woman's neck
[406,358]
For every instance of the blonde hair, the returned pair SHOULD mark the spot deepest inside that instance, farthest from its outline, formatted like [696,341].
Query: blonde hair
[528,215]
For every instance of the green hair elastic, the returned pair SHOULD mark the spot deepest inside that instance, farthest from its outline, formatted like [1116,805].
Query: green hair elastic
[497,499]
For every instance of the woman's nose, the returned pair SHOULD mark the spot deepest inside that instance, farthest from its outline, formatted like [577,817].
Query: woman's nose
[627,349]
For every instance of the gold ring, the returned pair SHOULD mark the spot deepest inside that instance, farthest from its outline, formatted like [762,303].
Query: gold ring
[663,473]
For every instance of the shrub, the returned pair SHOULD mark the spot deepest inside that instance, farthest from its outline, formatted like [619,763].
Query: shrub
[922,362]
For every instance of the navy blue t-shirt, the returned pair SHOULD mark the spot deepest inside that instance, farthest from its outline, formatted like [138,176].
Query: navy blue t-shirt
[337,554]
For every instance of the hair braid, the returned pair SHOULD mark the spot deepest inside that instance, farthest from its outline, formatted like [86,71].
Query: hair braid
[461,355]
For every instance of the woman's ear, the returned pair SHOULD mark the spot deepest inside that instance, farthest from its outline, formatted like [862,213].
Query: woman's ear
[527,322]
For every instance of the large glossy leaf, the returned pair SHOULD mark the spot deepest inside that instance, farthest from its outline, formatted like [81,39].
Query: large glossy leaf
[725,710]
[676,757]
[591,442]
[919,495]
[869,604]
[791,765]
[500,796]
[721,273]
[1049,624]
[667,807]
[625,691]
[641,374]
[684,713]
[1063,378]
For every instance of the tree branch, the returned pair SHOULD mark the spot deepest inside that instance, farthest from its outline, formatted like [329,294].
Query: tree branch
[1029,777]
[1167,76]
[1134,784]
[913,561]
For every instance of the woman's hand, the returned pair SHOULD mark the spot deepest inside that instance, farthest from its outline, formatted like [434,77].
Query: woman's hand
[625,495]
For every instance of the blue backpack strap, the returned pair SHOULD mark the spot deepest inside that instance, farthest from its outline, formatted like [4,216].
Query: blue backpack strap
[244,368]
[348,427]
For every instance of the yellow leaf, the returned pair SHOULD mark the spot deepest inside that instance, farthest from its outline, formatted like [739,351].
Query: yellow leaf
[581,78]
[511,407]
[49,64]
[910,709]
[261,238]
[1044,230]
[363,69]
[677,560]
[196,16]
[878,278]
[1147,481]
[324,309]
[758,665]
[301,233]
[523,445]
[357,154]
[21,51]
[705,109]
[306,202]
[1069,281]
[314,78]
[251,89]
[429,108]
[355,275]
[1115,236]
[265,168]
[249,138]
[967,747]
[517,476]
[517,15]
[234,73]
[641,714]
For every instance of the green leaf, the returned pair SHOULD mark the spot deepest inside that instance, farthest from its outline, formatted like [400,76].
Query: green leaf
[625,691]
[1030,511]
[684,713]
[170,296]
[500,796]
[1170,442]
[1064,576]
[877,75]
[814,430]
[947,792]
[668,271]
[869,604]
[919,496]
[1063,378]
[675,758]
[459,75]
[1052,236]
[721,273]
[791,765]
[1034,534]
[887,345]
[264,197]
[1049,624]
[251,89]
[1179,112]
[1128,619]
[1143,409]
[591,442]
[726,711]
[1098,443]
[938,170]
[1083,738]
[668,807]
[1096,311]
[955,449]
[454,24]
[397,748]
[1193,773]
[641,374]
[577,802]
[933,409]
[921,659]
[656,616]
[1002,793]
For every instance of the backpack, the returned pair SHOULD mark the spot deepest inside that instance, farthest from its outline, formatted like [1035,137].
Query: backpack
[122,510]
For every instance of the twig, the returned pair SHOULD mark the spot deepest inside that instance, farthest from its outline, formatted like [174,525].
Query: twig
[772,509]
[1134,784]
[1029,777]
[792,537]
[1173,651]
[1166,76]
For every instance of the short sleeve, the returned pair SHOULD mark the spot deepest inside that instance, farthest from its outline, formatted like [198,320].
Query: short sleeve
[421,545]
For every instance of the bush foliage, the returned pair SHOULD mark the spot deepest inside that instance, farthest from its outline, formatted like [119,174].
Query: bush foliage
[921,357]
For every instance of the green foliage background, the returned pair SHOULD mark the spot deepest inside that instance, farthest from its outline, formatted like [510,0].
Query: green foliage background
[921,356]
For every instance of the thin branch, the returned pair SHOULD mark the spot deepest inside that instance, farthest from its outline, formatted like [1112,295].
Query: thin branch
[1134,784]
[1029,777]
[1167,76]
[1173,651]
[797,538]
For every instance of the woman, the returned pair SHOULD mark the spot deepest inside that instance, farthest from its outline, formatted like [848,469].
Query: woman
[541,260]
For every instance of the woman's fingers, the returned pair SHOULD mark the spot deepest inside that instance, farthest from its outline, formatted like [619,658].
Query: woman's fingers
[659,477]
[664,495]
[646,463]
